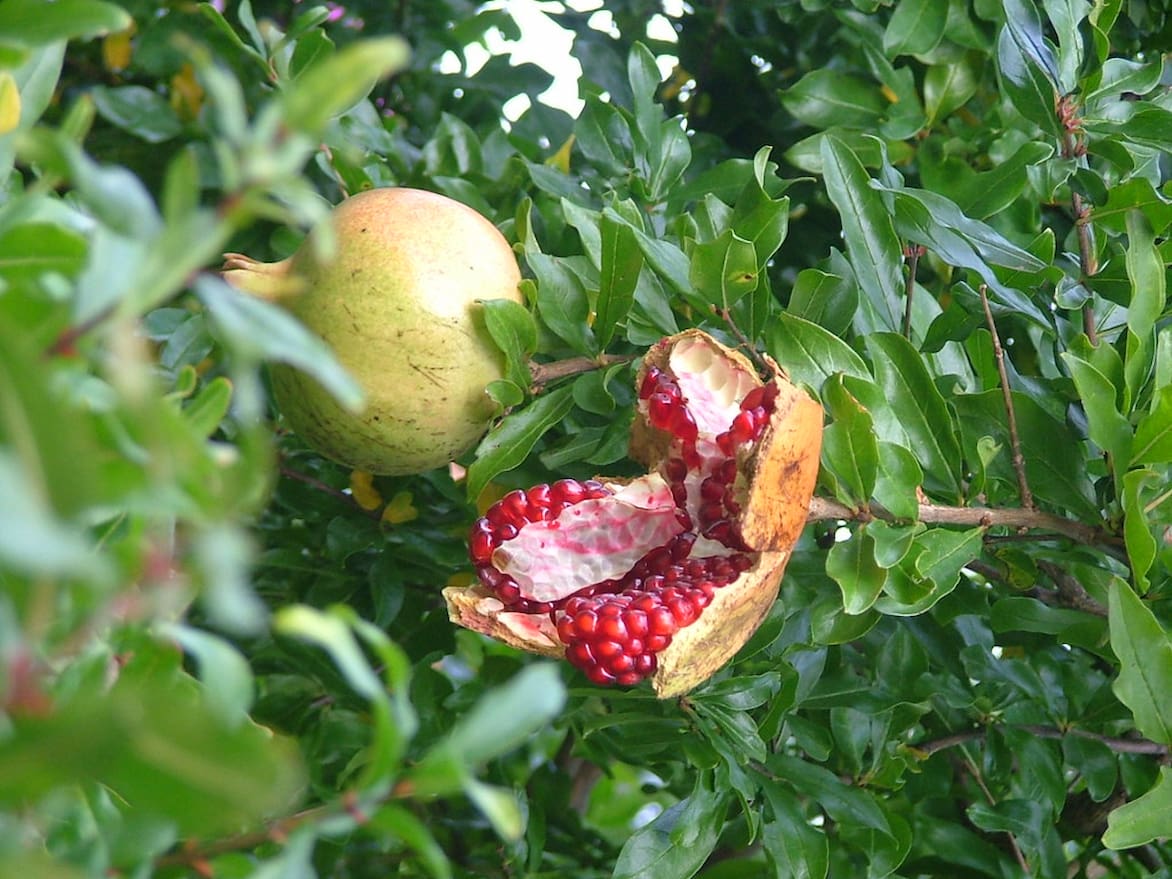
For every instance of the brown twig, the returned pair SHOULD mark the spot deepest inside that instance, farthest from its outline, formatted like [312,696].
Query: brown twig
[68,338]
[544,373]
[912,254]
[1069,591]
[1116,744]
[326,488]
[823,509]
[1074,147]
[192,853]
[1023,486]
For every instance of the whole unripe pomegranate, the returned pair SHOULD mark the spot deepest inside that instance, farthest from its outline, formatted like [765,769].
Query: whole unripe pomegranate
[396,301]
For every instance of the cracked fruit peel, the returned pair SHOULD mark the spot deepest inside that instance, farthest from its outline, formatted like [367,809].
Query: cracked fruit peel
[396,301]
[665,576]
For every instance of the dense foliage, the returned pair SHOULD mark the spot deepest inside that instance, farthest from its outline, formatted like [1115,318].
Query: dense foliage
[223,656]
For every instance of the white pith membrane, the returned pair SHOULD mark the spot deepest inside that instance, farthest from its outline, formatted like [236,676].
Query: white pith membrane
[601,539]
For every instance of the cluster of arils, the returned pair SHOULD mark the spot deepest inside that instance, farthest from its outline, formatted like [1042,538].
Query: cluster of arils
[668,574]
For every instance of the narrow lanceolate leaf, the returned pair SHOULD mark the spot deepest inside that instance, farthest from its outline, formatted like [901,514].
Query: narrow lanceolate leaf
[920,408]
[873,247]
[812,354]
[1026,85]
[1145,270]
[510,442]
[725,269]
[1153,433]
[677,843]
[852,565]
[1144,819]
[850,448]
[622,260]
[1145,658]
[1106,425]
[1137,535]
[796,848]
[916,26]
[514,331]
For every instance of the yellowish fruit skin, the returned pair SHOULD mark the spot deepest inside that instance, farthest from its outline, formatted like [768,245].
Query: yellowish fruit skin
[397,304]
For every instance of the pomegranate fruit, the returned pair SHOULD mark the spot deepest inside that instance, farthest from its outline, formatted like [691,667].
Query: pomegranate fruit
[396,301]
[667,575]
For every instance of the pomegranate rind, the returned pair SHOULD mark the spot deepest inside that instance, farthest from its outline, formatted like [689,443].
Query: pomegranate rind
[700,650]
[475,608]
[782,471]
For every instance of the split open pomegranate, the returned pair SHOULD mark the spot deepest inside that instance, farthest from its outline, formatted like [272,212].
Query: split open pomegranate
[667,575]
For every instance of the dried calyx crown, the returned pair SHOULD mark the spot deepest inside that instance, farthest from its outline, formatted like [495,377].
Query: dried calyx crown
[667,575]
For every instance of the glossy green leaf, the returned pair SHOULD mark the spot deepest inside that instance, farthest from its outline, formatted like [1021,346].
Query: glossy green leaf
[678,842]
[810,353]
[724,270]
[852,565]
[508,444]
[1026,84]
[337,83]
[992,191]
[138,110]
[823,98]
[514,331]
[843,802]
[34,23]
[915,27]
[621,263]
[796,848]
[898,481]
[1146,271]
[849,447]
[1137,533]
[1106,425]
[1153,433]
[873,247]
[1144,819]
[824,298]
[920,408]
[1145,655]
[948,87]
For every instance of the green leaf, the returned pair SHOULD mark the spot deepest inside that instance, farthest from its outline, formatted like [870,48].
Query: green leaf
[1137,534]
[35,23]
[1105,424]
[30,251]
[678,842]
[930,570]
[915,27]
[499,806]
[948,87]
[1145,270]
[257,330]
[1026,85]
[844,803]
[823,98]
[394,820]
[154,742]
[329,631]
[1153,433]
[849,446]
[920,408]
[621,263]
[509,443]
[223,670]
[1145,663]
[852,565]
[873,247]
[898,481]
[983,195]
[796,848]
[333,86]
[208,409]
[725,269]
[1144,819]
[824,298]
[138,110]
[515,332]
[812,354]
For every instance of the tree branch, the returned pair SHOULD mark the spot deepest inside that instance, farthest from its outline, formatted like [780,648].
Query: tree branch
[1023,485]
[543,373]
[823,509]
[1116,744]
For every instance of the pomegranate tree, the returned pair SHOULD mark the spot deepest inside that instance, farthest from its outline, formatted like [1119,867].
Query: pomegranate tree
[667,575]
[396,301]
